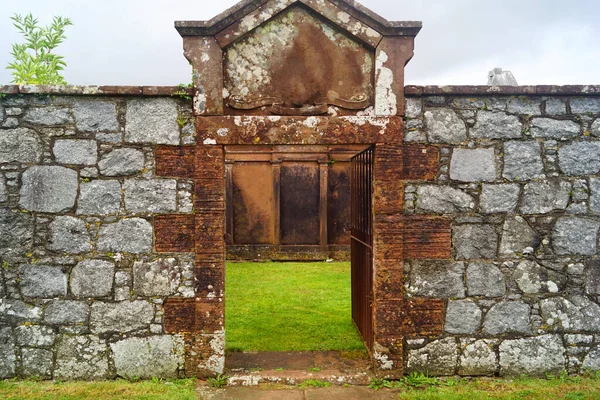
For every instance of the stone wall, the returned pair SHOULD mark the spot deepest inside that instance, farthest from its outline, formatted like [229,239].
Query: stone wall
[81,287]
[519,177]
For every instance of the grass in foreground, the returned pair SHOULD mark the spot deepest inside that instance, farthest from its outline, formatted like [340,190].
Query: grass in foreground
[419,387]
[108,390]
[293,306]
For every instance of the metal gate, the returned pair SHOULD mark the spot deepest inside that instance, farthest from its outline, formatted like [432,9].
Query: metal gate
[361,188]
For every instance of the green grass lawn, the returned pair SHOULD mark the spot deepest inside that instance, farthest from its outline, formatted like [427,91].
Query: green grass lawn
[292,306]
[109,390]
[563,387]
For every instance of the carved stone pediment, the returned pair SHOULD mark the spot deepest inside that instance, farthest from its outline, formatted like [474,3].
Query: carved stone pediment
[298,64]
[298,58]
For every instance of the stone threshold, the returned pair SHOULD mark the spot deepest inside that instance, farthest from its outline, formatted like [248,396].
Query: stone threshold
[293,368]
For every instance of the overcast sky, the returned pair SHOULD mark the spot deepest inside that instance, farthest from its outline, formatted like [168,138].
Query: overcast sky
[133,42]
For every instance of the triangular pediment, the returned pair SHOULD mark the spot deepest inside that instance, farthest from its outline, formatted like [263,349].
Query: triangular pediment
[347,15]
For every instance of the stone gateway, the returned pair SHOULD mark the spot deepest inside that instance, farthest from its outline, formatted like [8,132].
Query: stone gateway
[114,203]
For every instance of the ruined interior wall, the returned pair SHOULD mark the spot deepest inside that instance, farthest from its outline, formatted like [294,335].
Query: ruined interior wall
[519,177]
[81,286]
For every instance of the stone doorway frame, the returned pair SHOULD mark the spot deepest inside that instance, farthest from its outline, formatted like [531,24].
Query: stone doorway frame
[201,320]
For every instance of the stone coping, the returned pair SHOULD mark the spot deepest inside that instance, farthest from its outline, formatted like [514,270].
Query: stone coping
[567,90]
[411,90]
[90,90]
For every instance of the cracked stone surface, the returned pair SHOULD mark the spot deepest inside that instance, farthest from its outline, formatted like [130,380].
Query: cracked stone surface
[478,357]
[522,160]
[532,356]
[507,317]
[473,165]
[50,189]
[475,241]
[148,357]
[443,199]
[462,317]
[485,279]
[437,279]
[496,125]
[439,357]
[573,235]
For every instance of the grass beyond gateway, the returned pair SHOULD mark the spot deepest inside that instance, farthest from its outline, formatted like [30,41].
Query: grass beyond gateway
[292,306]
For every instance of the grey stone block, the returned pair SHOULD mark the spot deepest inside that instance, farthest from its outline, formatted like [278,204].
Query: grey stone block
[595,128]
[499,198]
[35,336]
[473,165]
[83,357]
[475,241]
[524,105]
[20,145]
[522,160]
[99,197]
[445,126]
[592,359]
[580,158]
[443,199]
[555,106]
[132,235]
[573,235]
[69,234]
[122,317]
[3,191]
[554,129]
[592,276]
[76,151]
[148,357]
[477,358]
[49,189]
[517,236]
[413,107]
[595,195]
[48,116]
[95,116]
[158,278]
[485,279]
[496,125]
[439,357]
[545,197]
[437,279]
[576,313]
[532,278]
[66,312]
[42,281]
[16,233]
[462,317]
[152,121]
[92,278]
[37,362]
[585,105]
[532,356]
[7,354]
[14,312]
[150,195]
[507,317]
[121,162]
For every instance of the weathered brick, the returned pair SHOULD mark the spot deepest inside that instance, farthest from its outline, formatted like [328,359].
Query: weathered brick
[427,238]
[174,233]
[176,161]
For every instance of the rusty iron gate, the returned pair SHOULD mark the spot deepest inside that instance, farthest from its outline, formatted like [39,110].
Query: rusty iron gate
[361,188]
